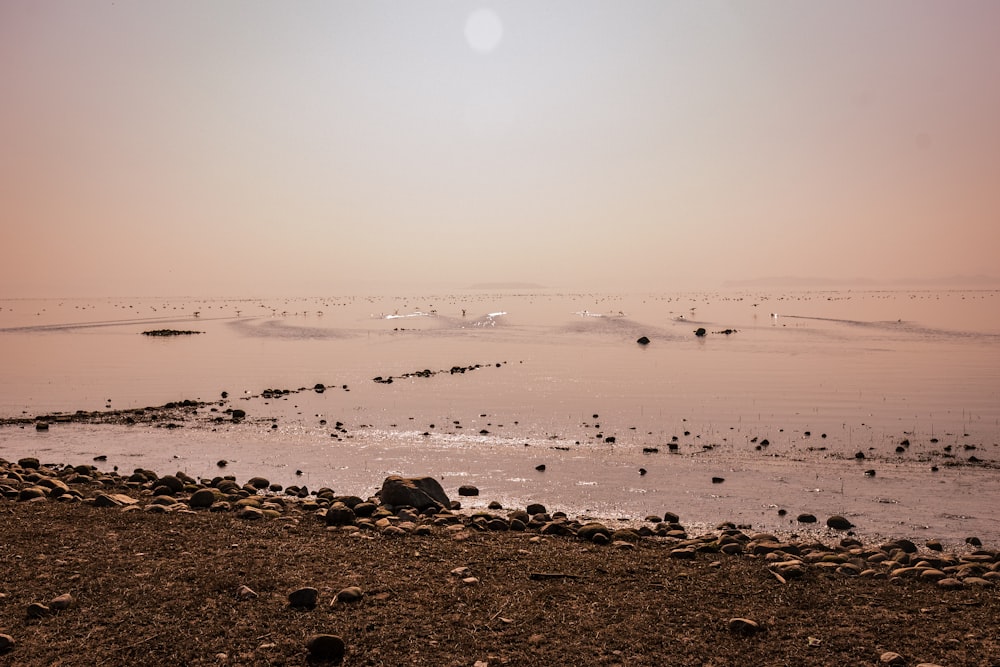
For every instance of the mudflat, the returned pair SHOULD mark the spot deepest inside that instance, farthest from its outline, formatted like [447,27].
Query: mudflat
[143,570]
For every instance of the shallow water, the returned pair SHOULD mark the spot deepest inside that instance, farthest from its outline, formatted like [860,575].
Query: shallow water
[821,376]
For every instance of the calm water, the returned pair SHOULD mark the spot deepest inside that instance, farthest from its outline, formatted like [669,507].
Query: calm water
[821,376]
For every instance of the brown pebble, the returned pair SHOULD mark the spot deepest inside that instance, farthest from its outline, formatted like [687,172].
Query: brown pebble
[350,594]
[61,602]
[37,610]
[329,648]
[743,626]
[892,659]
[303,598]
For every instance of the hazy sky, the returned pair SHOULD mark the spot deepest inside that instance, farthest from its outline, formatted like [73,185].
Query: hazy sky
[252,148]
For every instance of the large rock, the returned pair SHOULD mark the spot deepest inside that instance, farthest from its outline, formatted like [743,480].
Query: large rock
[419,492]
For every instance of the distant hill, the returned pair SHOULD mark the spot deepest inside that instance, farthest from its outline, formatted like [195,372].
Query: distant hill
[505,286]
[978,281]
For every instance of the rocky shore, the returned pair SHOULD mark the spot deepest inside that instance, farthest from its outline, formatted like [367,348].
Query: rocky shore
[516,550]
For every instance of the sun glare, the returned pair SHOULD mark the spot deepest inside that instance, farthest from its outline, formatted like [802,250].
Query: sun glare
[483,30]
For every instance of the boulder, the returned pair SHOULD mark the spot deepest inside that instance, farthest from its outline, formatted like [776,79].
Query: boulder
[418,492]
[468,490]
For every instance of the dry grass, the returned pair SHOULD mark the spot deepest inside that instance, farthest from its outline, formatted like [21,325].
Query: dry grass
[161,590]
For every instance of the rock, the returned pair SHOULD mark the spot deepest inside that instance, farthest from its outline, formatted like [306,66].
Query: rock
[589,531]
[37,610]
[61,602]
[171,482]
[303,598]
[892,659]
[340,514]
[743,626]
[934,545]
[350,594]
[202,498]
[250,514]
[540,467]
[418,492]
[29,463]
[244,592]
[700,332]
[718,480]
[535,508]
[327,648]
[468,490]
[838,522]
[31,492]
[258,482]
[239,414]
[950,584]
[806,518]
[643,341]
[114,500]
[6,643]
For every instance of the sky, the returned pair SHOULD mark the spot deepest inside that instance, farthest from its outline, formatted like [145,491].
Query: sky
[241,147]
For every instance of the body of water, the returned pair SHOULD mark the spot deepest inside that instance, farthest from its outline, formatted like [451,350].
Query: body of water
[883,406]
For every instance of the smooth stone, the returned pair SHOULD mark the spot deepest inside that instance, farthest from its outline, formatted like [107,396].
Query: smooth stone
[6,643]
[61,602]
[330,648]
[468,490]
[743,626]
[350,594]
[37,610]
[202,498]
[892,659]
[244,592]
[838,522]
[806,518]
[303,598]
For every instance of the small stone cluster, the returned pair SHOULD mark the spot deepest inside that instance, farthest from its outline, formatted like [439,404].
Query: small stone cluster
[419,506]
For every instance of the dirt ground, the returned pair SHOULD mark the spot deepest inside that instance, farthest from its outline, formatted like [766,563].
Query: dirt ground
[164,589]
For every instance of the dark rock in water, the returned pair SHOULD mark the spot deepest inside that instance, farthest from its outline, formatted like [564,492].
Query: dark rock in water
[29,463]
[418,492]
[170,332]
[239,414]
[540,468]
[650,450]
[870,473]
[303,598]
[319,388]
[700,332]
[100,458]
[838,522]
[859,456]
[222,463]
[718,480]
[974,541]
[643,341]
[806,518]
[326,648]
[42,426]
[642,471]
